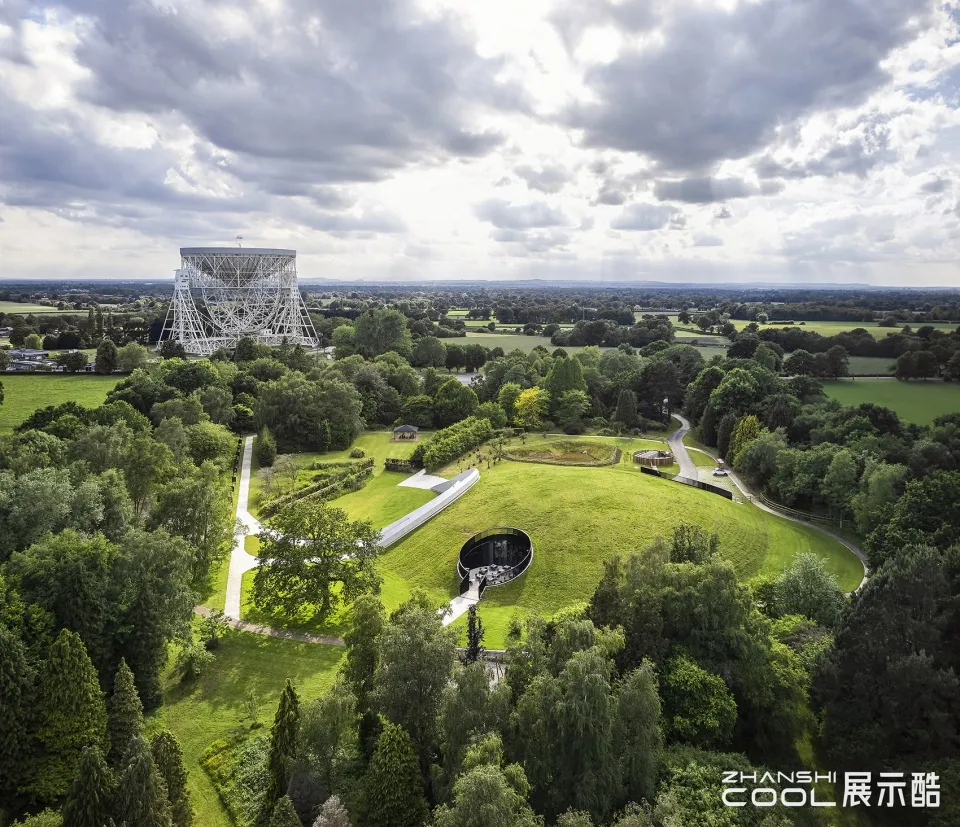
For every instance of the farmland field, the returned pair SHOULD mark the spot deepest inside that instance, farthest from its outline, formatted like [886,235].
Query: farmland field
[833,328]
[919,402]
[23,394]
[22,308]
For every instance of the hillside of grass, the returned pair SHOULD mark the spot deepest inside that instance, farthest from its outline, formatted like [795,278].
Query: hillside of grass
[577,518]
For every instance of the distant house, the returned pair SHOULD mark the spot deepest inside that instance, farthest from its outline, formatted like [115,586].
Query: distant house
[405,432]
[28,354]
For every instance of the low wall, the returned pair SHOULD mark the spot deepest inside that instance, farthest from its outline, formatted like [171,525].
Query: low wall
[458,486]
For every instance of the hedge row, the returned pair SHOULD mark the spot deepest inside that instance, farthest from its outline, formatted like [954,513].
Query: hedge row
[322,466]
[597,463]
[350,479]
[452,442]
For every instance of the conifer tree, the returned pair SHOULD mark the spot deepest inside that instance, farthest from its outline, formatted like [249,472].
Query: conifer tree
[627,408]
[283,745]
[124,715]
[393,783]
[142,794]
[71,713]
[89,799]
[284,814]
[15,697]
[475,648]
[166,752]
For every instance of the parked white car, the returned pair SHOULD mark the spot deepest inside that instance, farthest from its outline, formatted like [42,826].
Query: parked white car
[719,472]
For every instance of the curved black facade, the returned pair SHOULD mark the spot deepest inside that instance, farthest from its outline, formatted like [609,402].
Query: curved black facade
[496,556]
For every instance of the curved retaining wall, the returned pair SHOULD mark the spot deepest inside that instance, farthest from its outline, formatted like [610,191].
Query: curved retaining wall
[447,493]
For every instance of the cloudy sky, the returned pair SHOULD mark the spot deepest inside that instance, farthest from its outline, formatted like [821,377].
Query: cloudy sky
[688,140]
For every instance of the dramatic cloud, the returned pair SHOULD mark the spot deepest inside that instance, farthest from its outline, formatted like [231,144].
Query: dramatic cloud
[717,84]
[449,139]
[506,216]
[644,217]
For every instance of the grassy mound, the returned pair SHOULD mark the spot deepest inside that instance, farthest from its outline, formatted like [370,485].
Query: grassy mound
[567,452]
[577,518]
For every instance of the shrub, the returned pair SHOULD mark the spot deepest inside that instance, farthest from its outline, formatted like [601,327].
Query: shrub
[265,448]
[192,660]
[453,442]
[357,453]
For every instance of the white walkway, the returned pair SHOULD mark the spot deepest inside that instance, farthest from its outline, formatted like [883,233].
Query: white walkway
[461,605]
[240,561]
[421,480]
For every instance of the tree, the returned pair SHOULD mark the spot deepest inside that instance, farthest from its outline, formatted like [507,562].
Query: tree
[725,429]
[89,800]
[570,410]
[840,482]
[838,363]
[627,408]
[312,547]
[141,794]
[172,349]
[429,351]
[380,330]
[417,410]
[564,375]
[131,356]
[73,361]
[166,752]
[922,516]
[327,733]
[493,412]
[507,397]
[265,448]
[71,715]
[454,402]
[698,707]
[747,430]
[474,650]
[800,363]
[106,360]
[530,408]
[332,814]
[284,814]
[394,786]
[283,746]
[16,700]
[415,655]
[881,485]
[124,715]
[638,731]
[362,640]
[807,588]
[487,794]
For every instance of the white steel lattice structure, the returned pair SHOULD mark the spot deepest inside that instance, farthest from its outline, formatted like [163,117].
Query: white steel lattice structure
[221,294]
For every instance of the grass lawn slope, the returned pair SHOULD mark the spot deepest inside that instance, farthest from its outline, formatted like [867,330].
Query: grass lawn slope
[919,402]
[215,705]
[24,394]
[578,517]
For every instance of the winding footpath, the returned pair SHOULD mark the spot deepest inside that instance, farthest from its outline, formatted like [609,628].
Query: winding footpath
[688,468]
[246,524]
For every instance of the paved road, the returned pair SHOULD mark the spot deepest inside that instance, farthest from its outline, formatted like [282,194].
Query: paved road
[682,454]
[688,468]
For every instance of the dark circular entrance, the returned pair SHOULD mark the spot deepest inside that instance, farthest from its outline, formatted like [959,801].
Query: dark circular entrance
[493,557]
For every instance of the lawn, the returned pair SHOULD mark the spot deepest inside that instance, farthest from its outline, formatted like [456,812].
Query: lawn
[23,394]
[23,308]
[577,517]
[376,444]
[920,402]
[871,366]
[211,708]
